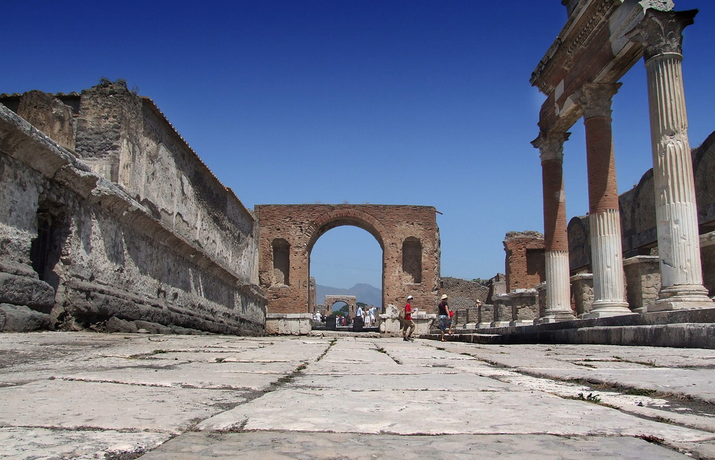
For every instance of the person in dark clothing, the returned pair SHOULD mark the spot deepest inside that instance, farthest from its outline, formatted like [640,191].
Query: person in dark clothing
[444,319]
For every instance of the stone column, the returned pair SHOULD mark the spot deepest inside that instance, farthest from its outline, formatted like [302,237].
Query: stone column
[556,246]
[676,210]
[604,214]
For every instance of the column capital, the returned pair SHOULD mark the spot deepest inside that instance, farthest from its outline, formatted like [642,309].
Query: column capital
[551,145]
[595,98]
[661,32]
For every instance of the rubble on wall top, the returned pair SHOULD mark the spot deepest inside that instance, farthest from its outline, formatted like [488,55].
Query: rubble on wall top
[524,234]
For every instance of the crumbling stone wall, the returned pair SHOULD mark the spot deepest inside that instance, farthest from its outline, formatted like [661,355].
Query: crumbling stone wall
[87,241]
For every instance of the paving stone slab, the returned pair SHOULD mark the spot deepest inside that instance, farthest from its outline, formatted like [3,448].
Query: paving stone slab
[699,384]
[407,381]
[107,406]
[438,412]
[357,446]
[237,376]
[42,443]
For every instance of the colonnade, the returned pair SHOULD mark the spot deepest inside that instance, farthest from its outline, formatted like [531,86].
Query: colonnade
[660,34]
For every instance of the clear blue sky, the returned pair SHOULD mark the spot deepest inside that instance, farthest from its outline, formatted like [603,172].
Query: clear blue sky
[423,102]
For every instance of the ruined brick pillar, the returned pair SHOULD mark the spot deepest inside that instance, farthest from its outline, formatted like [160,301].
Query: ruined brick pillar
[676,210]
[604,214]
[556,248]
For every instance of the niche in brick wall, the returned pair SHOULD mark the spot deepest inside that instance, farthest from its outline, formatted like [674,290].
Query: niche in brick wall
[412,260]
[281,261]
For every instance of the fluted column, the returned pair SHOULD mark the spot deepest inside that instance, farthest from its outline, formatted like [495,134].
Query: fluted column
[604,215]
[676,209]
[556,246]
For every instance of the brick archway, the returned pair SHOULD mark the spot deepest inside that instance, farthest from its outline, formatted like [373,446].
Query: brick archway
[350,300]
[289,232]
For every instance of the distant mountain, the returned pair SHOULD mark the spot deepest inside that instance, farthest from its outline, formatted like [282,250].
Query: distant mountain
[364,292]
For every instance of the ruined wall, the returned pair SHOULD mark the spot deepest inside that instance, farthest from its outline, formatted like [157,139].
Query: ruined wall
[158,169]
[525,265]
[463,296]
[86,251]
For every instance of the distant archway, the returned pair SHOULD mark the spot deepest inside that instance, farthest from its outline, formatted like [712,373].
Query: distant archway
[408,236]
[349,300]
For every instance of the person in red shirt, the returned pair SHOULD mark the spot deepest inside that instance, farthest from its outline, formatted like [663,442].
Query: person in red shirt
[407,323]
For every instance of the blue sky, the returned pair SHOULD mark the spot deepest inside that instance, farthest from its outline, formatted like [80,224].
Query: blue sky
[422,102]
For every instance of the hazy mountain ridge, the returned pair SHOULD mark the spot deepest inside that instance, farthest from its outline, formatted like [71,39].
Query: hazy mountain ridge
[365,293]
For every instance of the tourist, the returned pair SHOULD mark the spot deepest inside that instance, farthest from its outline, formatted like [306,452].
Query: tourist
[444,317]
[407,323]
[372,315]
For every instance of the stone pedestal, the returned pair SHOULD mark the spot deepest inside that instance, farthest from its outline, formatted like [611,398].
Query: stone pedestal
[484,313]
[524,307]
[502,311]
[389,322]
[642,281]
[289,323]
[582,293]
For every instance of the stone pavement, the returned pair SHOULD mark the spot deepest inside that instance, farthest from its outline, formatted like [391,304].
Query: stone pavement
[127,396]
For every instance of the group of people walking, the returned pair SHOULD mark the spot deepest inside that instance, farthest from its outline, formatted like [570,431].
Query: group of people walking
[444,317]
[367,315]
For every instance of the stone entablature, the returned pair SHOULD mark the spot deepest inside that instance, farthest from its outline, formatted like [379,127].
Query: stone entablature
[85,248]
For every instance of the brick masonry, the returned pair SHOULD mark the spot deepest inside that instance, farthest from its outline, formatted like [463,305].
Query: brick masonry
[408,236]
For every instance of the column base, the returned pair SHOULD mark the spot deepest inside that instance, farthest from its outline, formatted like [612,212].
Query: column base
[555,317]
[682,297]
[607,308]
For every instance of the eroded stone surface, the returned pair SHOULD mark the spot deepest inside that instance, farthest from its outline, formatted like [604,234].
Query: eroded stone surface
[82,395]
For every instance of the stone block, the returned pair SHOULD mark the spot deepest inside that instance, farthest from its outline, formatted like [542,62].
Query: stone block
[23,290]
[288,323]
[19,318]
[642,281]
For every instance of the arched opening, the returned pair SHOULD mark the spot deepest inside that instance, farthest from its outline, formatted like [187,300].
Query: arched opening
[340,308]
[347,260]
